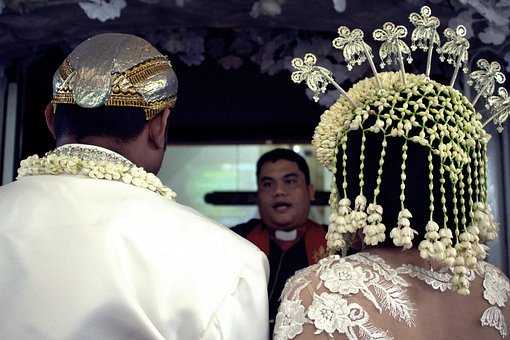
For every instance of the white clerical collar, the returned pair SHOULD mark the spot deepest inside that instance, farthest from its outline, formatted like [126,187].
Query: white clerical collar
[286,235]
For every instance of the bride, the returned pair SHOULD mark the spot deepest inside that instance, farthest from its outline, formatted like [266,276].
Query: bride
[409,156]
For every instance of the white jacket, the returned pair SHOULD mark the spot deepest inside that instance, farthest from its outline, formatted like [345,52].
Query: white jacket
[83,258]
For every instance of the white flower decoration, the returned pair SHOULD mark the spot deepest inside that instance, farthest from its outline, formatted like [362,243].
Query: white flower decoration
[495,35]
[103,10]
[340,5]
[497,288]
[266,7]
[393,46]
[331,312]
[289,320]
[93,163]
[343,278]
[375,230]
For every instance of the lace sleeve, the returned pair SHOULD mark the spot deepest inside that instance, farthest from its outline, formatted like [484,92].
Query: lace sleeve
[295,299]
[315,303]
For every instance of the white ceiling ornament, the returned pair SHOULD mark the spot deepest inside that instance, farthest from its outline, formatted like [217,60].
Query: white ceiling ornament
[496,16]
[187,44]
[464,18]
[490,10]
[495,35]
[266,7]
[340,5]
[103,10]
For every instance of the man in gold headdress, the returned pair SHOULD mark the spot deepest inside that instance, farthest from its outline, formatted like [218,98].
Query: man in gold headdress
[92,245]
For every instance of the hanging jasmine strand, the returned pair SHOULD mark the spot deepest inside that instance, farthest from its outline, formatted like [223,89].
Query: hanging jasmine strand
[403,176]
[362,162]
[375,230]
[470,191]
[341,210]
[333,197]
[431,185]
[377,189]
[455,208]
[432,246]
[403,234]
[477,165]
[483,173]
[443,196]
[462,185]
[358,217]
[344,165]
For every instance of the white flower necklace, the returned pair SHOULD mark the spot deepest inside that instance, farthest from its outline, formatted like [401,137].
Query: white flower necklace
[93,162]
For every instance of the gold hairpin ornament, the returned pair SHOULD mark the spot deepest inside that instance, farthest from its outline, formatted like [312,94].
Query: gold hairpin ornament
[355,50]
[425,35]
[455,50]
[393,48]
[499,106]
[484,80]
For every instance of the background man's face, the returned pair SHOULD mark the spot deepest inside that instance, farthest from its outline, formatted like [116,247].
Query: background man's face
[283,195]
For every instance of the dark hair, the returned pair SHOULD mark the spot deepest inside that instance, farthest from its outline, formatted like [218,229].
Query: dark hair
[285,154]
[416,184]
[122,123]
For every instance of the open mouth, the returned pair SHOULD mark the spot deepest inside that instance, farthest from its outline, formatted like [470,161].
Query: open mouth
[282,206]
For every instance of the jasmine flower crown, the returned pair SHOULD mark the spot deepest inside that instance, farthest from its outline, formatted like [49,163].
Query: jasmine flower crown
[419,110]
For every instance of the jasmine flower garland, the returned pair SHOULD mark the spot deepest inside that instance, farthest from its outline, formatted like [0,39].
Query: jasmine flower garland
[93,162]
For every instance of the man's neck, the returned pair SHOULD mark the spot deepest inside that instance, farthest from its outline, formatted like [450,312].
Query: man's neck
[103,142]
[126,149]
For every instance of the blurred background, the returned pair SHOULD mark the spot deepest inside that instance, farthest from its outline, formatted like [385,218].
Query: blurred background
[236,100]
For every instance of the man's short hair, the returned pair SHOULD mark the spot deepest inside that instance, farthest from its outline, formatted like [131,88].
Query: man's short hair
[121,123]
[285,154]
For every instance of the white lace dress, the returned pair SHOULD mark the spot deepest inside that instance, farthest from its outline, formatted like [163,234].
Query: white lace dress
[333,280]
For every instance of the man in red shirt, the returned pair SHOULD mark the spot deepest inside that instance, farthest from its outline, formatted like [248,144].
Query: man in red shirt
[284,232]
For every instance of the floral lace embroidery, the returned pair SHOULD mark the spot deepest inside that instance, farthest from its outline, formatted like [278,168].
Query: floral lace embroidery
[290,319]
[390,290]
[382,285]
[496,290]
[331,312]
[291,313]
[381,267]
[436,279]
[493,317]
[496,286]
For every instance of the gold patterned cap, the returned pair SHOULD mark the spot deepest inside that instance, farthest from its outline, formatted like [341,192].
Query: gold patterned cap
[116,69]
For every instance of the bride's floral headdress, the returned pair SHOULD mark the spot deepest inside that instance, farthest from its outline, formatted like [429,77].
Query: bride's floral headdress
[415,109]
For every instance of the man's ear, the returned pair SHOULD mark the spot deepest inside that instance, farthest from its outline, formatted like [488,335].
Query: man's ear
[49,114]
[157,129]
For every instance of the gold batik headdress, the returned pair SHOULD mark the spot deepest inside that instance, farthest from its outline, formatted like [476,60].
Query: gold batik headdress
[115,69]
[418,110]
